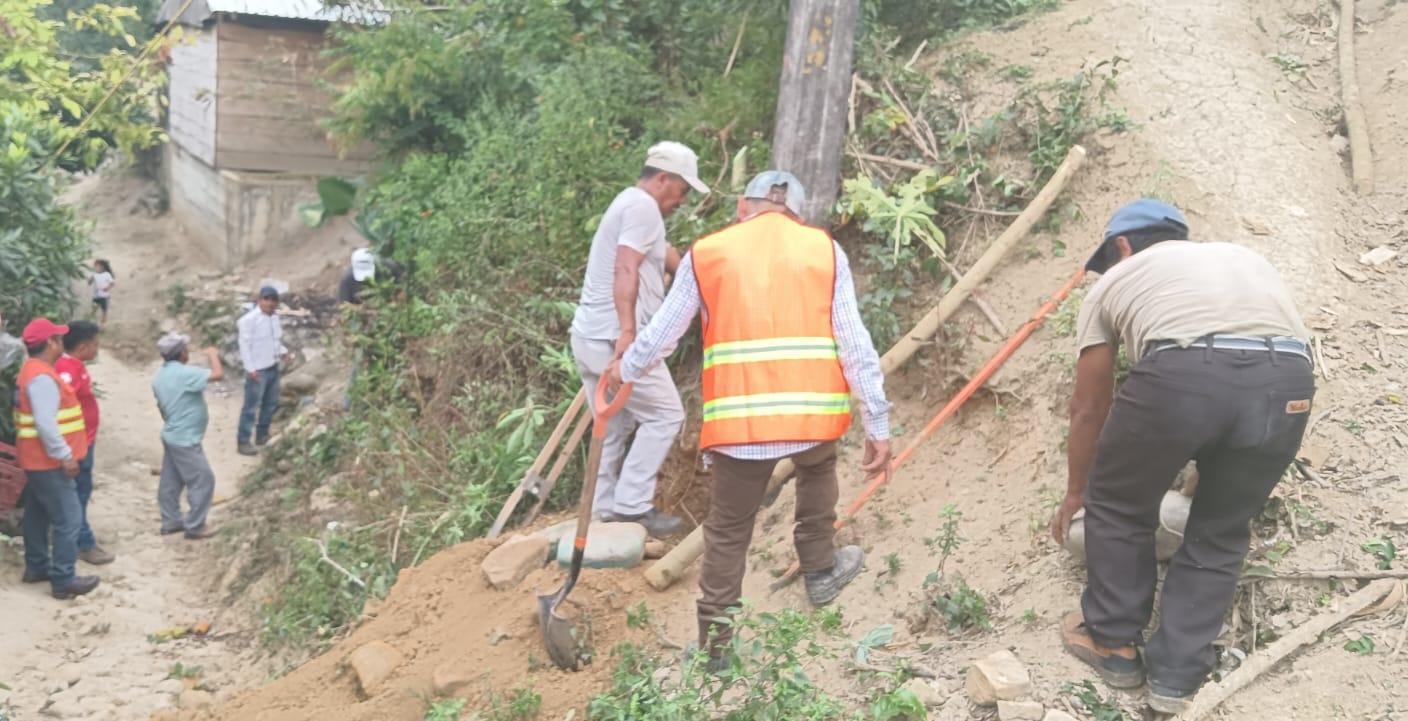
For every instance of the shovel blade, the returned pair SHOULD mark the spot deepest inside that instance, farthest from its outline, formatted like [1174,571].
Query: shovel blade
[567,644]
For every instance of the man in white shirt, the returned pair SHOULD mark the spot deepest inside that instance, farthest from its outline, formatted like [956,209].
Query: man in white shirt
[624,287]
[261,348]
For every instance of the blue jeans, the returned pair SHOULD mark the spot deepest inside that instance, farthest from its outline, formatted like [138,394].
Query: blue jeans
[261,398]
[83,483]
[52,516]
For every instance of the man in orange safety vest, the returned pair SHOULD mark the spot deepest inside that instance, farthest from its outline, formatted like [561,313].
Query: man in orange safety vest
[50,439]
[784,347]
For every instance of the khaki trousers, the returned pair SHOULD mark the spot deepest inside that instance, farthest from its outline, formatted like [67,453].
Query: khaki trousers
[738,491]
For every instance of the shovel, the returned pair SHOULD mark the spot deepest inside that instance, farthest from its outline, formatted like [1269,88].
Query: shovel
[559,633]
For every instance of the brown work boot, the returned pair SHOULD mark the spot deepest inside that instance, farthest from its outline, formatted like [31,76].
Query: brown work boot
[96,556]
[79,586]
[1120,667]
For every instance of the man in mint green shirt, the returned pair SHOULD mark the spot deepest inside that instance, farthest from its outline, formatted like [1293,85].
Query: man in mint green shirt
[180,396]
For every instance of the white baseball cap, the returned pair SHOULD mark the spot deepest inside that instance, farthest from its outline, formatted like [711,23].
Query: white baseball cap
[676,158]
[363,264]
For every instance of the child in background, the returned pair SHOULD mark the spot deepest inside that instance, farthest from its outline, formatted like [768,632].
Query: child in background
[103,282]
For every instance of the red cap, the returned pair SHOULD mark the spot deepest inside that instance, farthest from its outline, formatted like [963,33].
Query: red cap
[40,330]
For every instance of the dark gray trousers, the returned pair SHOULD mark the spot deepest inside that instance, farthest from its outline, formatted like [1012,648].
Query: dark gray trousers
[184,467]
[1240,415]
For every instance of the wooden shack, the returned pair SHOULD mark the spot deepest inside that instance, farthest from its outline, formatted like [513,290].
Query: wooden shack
[247,94]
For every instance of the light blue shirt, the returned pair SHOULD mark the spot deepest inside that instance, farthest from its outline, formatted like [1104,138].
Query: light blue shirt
[180,396]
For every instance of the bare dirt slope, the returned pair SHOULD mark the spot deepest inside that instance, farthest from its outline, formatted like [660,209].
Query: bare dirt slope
[1245,146]
[1235,106]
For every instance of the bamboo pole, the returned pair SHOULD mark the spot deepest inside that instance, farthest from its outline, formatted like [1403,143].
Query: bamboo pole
[667,570]
[1257,664]
[1361,158]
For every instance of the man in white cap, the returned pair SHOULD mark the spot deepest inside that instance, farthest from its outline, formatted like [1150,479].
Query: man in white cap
[624,287]
[180,397]
[784,348]
[363,269]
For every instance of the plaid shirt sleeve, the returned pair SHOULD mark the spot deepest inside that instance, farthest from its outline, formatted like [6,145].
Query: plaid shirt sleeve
[667,326]
[859,361]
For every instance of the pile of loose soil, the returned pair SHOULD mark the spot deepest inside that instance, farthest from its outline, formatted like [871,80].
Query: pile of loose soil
[444,616]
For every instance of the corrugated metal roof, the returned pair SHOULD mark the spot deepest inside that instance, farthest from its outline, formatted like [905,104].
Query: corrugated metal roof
[295,9]
[363,13]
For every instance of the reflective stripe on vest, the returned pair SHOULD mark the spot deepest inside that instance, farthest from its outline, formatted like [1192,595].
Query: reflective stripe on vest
[772,370]
[70,421]
[770,349]
[777,404]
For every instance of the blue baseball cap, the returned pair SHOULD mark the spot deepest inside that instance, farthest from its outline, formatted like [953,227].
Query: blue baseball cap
[792,194]
[1142,214]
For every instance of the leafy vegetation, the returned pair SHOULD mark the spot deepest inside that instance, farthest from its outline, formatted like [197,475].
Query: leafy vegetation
[900,703]
[1384,552]
[181,671]
[1099,707]
[50,119]
[445,710]
[764,676]
[961,608]
[947,541]
[507,128]
[949,600]
[929,174]
[522,704]
[1362,646]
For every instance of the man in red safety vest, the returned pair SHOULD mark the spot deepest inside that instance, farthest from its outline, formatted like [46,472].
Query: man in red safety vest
[51,440]
[784,346]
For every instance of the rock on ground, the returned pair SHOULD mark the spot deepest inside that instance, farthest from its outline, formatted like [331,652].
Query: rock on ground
[449,680]
[1054,715]
[609,545]
[513,560]
[1020,711]
[925,692]
[999,677]
[374,663]
[555,532]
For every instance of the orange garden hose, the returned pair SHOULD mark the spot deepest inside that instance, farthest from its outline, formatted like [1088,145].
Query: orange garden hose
[949,409]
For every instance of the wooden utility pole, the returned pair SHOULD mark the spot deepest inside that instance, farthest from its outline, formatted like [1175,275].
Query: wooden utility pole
[812,98]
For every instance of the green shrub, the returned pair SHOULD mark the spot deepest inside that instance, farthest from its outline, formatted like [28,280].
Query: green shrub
[42,243]
[508,128]
[764,676]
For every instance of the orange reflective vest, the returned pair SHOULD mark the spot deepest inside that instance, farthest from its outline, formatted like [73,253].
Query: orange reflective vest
[32,456]
[771,368]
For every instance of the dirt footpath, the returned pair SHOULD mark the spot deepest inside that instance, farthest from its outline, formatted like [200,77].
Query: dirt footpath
[91,658]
